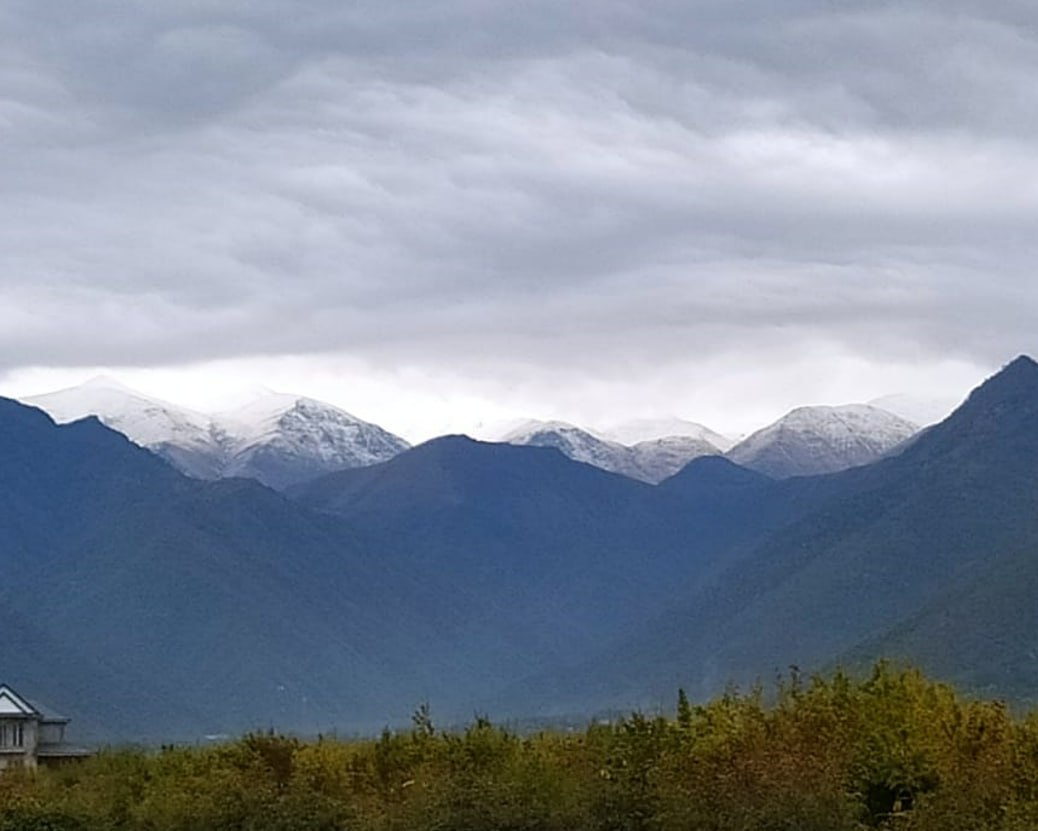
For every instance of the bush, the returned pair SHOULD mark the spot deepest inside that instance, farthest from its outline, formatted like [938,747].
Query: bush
[833,754]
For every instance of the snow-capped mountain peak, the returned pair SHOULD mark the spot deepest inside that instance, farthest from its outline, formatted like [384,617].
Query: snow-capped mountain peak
[141,418]
[283,439]
[534,427]
[270,404]
[278,439]
[650,461]
[274,411]
[641,430]
[822,439]
[105,382]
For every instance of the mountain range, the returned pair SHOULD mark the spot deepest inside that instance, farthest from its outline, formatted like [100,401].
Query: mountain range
[282,440]
[504,578]
[650,460]
[276,439]
[805,442]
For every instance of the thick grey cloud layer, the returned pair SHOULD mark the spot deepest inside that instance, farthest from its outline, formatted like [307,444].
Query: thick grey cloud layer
[597,186]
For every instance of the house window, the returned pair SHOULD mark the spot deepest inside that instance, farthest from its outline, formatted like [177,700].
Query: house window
[12,734]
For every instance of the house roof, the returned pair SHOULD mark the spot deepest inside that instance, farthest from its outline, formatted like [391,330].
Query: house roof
[62,751]
[12,704]
[47,715]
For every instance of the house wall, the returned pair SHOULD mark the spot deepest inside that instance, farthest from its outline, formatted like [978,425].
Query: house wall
[52,733]
[25,755]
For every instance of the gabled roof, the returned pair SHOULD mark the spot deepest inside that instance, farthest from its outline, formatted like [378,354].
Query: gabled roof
[12,704]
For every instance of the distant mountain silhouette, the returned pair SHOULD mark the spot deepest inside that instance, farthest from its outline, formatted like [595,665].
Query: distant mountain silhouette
[980,627]
[563,553]
[150,604]
[146,603]
[911,555]
[508,578]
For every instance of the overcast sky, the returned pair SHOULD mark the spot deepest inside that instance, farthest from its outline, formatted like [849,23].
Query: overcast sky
[435,213]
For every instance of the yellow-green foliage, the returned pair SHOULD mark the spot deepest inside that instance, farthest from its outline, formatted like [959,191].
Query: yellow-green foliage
[894,750]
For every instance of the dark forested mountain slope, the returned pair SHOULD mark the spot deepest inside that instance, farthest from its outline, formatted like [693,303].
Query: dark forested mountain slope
[897,553]
[560,553]
[981,627]
[146,603]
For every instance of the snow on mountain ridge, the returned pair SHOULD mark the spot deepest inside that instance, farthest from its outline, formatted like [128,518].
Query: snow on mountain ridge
[275,412]
[278,439]
[104,382]
[268,434]
[281,439]
[533,427]
[821,439]
[650,461]
[664,457]
[637,431]
[143,419]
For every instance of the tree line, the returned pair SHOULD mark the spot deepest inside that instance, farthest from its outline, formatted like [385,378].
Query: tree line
[893,749]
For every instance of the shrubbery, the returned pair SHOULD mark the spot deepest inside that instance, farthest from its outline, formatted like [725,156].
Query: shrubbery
[894,750]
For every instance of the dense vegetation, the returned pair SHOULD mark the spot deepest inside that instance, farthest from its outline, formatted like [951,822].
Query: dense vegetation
[893,750]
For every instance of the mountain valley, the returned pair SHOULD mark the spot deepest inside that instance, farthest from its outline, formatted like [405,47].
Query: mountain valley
[499,576]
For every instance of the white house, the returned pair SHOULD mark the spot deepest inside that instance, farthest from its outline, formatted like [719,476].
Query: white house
[30,734]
